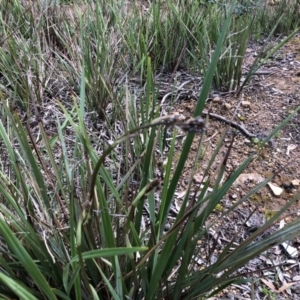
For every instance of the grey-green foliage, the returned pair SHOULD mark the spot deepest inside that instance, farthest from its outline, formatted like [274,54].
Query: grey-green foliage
[73,224]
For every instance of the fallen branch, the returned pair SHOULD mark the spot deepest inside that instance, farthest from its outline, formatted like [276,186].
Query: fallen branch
[242,129]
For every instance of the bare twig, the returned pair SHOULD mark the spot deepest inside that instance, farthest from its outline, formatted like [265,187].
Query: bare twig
[242,129]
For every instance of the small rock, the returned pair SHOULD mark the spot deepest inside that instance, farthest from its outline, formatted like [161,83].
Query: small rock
[167,227]
[198,178]
[295,182]
[277,191]
[292,252]
[217,100]
[227,106]
[234,196]
[288,219]
[246,104]
[230,296]
[199,261]
[247,178]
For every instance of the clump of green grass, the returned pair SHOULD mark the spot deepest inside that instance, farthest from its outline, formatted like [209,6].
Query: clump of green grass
[284,14]
[73,208]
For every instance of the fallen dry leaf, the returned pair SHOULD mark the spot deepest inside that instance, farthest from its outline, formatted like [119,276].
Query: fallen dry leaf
[296,278]
[286,286]
[269,284]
